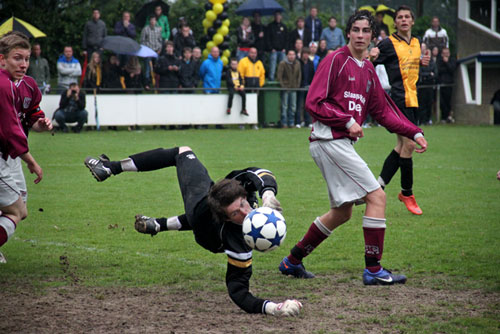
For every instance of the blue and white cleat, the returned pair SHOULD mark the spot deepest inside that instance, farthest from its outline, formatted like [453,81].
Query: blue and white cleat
[296,270]
[382,277]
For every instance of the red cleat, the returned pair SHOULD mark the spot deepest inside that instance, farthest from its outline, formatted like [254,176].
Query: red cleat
[411,203]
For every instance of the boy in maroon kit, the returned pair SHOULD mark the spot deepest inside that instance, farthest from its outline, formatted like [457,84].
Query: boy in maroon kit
[344,90]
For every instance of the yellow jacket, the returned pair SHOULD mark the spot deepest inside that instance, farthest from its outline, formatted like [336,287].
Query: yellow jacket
[253,74]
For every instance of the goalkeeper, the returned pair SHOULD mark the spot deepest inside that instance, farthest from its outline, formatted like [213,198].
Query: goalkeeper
[214,212]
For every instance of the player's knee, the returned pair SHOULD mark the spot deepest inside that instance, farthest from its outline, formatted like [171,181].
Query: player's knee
[183,149]
[376,198]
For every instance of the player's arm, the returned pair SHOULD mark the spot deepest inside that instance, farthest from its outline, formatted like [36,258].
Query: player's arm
[14,141]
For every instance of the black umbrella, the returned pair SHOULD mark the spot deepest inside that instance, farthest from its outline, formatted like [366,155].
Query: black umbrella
[147,10]
[264,7]
[120,44]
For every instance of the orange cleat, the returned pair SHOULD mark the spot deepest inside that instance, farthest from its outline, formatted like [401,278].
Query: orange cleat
[411,203]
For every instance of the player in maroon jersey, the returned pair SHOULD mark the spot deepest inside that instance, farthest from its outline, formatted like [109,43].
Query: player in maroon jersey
[344,90]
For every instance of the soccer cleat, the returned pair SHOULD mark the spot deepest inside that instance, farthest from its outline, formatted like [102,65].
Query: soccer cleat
[97,167]
[382,277]
[296,270]
[2,258]
[228,111]
[244,112]
[145,224]
[411,203]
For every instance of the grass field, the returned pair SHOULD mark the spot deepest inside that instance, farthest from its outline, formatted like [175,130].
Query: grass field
[78,245]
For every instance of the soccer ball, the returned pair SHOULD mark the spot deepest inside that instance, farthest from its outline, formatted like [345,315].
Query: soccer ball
[264,229]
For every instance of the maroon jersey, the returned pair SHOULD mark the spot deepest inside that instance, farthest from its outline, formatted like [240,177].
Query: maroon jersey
[13,141]
[28,102]
[343,91]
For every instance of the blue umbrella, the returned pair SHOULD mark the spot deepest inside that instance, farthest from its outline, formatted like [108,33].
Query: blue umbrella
[264,7]
[144,52]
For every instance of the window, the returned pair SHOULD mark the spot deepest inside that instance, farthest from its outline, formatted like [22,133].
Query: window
[486,13]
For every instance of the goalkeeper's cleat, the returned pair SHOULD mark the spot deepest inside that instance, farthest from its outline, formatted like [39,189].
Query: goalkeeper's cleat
[411,203]
[97,168]
[146,225]
[2,258]
[382,277]
[296,270]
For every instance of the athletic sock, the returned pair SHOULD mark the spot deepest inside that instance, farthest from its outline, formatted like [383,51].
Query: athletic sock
[7,228]
[314,236]
[115,166]
[391,165]
[406,165]
[175,223]
[374,231]
[155,159]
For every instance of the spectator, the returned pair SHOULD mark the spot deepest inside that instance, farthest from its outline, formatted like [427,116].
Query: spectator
[93,33]
[252,70]
[246,38]
[435,54]
[112,75]
[71,108]
[300,32]
[211,71]
[277,38]
[68,69]
[188,72]
[446,71]
[289,76]
[151,37]
[495,101]
[298,48]
[381,26]
[183,40]
[427,77]
[307,73]
[436,36]
[234,84]
[382,35]
[133,77]
[313,23]
[322,49]
[313,49]
[168,68]
[124,27]
[161,21]
[258,30]
[180,23]
[197,61]
[333,35]
[93,74]
[39,68]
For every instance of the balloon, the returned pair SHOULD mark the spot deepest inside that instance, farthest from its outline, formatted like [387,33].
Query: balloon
[225,5]
[224,60]
[210,45]
[218,38]
[210,15]
[217,23]
[211,32]
[224,46]
[204,40]
[223,30]
[226,23]
[206,23]
[227,38]
[226,53]
[222,16]
[217,1]
[206,52]
[208,6]
[218,8]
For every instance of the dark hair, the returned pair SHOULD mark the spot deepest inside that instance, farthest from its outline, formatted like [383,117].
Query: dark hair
[404,7]
[187,48]
[222,194]
[13,40]
[358,16]
[233,59]
[305,49]
[332,17]
[167,43]
[300,18]
[287,51]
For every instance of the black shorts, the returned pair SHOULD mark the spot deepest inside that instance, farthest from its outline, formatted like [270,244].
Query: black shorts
[195,183]
[410,113]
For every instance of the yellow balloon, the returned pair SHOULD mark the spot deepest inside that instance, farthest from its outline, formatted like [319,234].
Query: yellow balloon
[218,8]
[206,52]
[218,38]
[210,15]
[210,45]
[224,60]
[226,23]
[226,53]
[223,30]
[217,1]
[206,23]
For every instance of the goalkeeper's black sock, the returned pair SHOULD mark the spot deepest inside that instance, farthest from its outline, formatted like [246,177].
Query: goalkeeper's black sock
[406,165]
[155,159]
[391,165]
[176,223]
[115,166]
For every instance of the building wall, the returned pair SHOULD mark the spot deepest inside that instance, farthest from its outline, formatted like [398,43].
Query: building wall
[471,39]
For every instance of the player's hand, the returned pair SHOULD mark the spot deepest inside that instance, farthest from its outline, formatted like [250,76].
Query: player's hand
[374,53]
[289,308]
[270,201]
[498,175]
[355,131]
[426,58]
[422,143]
[42,124]
[35,168]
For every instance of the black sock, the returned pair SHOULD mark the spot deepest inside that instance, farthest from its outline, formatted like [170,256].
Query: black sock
[297,253]
[391,165]
[163,223]
[406,165]
[115,166]
[155,159]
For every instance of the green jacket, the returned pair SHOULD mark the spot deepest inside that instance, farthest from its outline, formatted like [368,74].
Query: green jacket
[163,23]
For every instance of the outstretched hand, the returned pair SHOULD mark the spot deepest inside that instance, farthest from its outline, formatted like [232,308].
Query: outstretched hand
[270,201]
[422,143]
[289,308]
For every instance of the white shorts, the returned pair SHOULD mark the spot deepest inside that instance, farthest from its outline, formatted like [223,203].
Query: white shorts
[12,182]
[347,175]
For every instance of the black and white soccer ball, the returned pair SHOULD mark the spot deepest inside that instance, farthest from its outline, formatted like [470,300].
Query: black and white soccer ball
[264,229]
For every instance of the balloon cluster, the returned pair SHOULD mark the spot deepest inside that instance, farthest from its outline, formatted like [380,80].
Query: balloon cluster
[216,28]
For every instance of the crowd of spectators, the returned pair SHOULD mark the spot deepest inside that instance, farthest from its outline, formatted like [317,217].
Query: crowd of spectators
[271,51]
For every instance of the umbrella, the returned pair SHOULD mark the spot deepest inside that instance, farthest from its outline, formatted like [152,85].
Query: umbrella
[148,10]
[145,52]
[264,7]
[19,25]
[120,44]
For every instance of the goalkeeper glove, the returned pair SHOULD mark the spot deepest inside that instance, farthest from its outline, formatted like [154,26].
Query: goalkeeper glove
[290,307]
[269,200]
